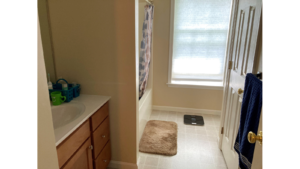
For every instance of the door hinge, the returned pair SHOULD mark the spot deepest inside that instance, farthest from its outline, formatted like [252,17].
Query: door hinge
[222,130]
[230,65]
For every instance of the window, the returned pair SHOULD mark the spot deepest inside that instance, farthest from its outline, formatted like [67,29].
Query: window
[198,42]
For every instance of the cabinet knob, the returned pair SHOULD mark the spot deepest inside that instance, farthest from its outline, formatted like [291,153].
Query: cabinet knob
[105,161]
[103,136]
[91,147]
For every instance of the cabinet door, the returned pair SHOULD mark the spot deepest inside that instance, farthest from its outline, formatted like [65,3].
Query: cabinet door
[68,147]
[82,159]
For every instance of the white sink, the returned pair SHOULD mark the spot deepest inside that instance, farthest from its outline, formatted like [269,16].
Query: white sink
[66,113]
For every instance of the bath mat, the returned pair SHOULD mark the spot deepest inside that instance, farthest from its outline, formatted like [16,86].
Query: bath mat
[159,137]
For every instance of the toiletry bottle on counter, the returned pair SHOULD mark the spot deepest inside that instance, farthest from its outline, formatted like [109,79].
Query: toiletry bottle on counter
[64,85]
[49,83]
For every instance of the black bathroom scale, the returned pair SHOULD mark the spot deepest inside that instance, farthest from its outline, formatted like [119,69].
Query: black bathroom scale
[193,120]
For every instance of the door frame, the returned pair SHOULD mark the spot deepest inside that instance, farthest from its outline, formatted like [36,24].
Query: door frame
[229,57]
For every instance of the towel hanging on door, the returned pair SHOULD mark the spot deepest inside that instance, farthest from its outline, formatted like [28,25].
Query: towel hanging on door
[250,114]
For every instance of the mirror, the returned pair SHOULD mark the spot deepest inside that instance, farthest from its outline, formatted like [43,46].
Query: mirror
[46,40]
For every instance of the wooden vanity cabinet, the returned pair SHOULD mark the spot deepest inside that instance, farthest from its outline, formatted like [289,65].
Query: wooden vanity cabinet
[88,147]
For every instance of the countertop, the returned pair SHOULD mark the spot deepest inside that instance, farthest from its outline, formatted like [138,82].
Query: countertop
[92,104]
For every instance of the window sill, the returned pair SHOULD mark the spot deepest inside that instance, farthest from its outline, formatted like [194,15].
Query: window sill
[197,85]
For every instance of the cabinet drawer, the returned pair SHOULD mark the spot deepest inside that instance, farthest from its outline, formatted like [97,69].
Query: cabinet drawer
[100,137]
[99,116]
[104,158]
[67,148]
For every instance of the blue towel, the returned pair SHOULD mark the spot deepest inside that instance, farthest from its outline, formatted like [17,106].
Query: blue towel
[250,114]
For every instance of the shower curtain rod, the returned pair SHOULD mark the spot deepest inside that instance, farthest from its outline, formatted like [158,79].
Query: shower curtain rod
[149,1]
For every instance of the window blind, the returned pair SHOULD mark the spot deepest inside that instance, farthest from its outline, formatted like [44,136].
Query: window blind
[199,39]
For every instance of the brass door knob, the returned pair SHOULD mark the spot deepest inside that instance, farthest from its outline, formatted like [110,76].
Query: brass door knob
[252,137]
[240,91]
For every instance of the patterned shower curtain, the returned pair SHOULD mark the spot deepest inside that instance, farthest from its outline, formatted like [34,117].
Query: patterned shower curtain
[145,51]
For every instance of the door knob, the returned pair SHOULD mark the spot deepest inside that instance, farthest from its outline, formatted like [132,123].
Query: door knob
[252,137]
[240,91]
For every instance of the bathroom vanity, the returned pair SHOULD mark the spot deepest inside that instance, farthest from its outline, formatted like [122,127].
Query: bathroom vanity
[83,142]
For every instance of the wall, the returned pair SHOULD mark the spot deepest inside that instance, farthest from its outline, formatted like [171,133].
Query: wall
[94,45]
[47,156]
[46,39]
[137,75]
[169,96]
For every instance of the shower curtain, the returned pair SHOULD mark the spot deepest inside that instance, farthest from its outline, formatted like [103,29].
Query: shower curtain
[145,50]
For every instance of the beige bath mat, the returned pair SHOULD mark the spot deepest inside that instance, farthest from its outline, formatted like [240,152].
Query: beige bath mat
[159,137]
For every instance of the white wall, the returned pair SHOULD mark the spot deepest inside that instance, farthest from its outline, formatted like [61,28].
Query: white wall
[137,76]
[47,156]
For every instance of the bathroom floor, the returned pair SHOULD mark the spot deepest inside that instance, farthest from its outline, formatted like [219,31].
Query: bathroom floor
[197,145]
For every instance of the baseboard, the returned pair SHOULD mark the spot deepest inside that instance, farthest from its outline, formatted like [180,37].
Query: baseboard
[121,165]
[187,110]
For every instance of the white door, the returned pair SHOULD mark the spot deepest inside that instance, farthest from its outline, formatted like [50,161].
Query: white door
[247,22]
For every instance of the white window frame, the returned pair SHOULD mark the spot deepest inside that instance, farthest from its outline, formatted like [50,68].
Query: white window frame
[205,85]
